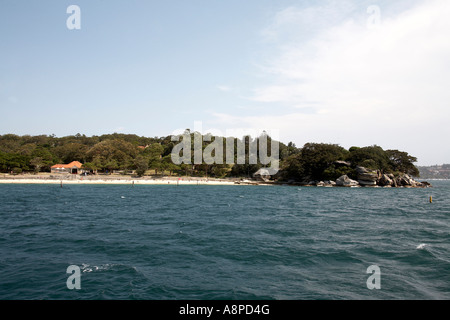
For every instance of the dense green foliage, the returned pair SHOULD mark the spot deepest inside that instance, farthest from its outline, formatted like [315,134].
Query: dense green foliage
[127,152]
[329,162]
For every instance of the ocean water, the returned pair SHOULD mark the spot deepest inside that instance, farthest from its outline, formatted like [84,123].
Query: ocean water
[223,242]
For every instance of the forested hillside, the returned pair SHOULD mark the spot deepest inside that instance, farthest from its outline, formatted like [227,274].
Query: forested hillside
[144,155]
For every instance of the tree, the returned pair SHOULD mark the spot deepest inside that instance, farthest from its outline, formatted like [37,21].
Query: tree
[13,162]
[289,150]
[113,154]
[111,165]
[96,164]
[402,162]
[219,170]
[72,151]
[90,166]
[333,172]
[141,164]
[187,168]
[4,161]
[10,143]
[37,163]
[167,164]
[43,159]
[373,157]
[154,153]
[317,157]
[292,168]
[246,169]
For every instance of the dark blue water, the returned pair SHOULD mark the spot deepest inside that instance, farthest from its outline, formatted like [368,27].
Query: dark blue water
[223,242]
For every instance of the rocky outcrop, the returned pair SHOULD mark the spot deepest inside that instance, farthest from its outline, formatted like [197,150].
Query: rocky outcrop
[345,181]
[387,181]
[262,175]
[329,183]
[426,184]
[407,181]
[366,177]
[342,163]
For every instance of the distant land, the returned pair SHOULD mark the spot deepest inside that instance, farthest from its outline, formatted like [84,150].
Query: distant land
[318,164]
[435,172]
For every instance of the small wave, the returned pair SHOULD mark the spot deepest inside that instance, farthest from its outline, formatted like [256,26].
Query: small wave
[88,268]
[421,246]
[104,267]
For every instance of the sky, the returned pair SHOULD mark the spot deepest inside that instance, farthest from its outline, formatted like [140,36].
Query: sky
[353,73]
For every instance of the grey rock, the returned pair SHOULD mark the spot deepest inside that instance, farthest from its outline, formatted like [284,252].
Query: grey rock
[361,170]
[407,181]
[369,176]
[367,183]
[345,181]
[366,177]
[342,163]
[385,180]
[426,184]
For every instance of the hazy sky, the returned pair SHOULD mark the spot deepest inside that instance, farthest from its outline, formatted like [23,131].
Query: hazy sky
[347,72]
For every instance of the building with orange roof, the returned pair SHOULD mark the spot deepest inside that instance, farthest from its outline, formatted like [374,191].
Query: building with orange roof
[74,168]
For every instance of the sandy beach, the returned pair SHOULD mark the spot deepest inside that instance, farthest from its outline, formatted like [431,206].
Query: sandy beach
[118,180]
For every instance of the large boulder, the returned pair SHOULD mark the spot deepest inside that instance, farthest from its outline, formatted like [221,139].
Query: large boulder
[385,181]
[342,163]
[345,181]
[426,184]
[407,181]
[329,183]
[394,181]
[404,180]
[262,174]
[367,183]
[366,177]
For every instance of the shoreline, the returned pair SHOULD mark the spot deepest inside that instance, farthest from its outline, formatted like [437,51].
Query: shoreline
[163,180]
[124,180]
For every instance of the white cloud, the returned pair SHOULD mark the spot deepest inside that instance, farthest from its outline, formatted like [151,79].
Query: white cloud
[387,85]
